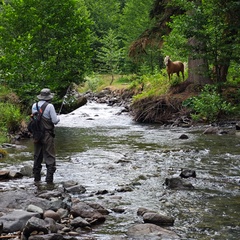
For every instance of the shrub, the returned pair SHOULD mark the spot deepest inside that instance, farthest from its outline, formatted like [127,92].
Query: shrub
[209,105]
[11,117]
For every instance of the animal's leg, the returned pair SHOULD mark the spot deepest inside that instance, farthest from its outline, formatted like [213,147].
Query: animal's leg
[177,74]
[183,75]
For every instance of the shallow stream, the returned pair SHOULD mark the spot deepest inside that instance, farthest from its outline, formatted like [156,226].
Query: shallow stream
[103,150]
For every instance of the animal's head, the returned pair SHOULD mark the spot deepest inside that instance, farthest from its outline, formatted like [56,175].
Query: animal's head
[166,59]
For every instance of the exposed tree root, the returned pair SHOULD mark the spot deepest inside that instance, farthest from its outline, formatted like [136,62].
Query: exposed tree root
[164,109]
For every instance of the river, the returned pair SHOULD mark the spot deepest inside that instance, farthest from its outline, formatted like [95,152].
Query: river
[104,150]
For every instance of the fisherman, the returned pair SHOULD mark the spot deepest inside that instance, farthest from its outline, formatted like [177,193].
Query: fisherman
[45,149]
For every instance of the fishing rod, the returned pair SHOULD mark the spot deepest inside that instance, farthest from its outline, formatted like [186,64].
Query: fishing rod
[63,102]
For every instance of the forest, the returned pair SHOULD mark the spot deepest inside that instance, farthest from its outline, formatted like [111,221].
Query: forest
[56,43]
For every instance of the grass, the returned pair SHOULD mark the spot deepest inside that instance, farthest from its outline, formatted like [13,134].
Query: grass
[147,85]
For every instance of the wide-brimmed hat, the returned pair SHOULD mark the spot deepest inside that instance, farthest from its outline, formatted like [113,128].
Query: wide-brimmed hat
[45,94]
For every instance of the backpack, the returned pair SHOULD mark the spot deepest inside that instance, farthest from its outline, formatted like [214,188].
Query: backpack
[35,126]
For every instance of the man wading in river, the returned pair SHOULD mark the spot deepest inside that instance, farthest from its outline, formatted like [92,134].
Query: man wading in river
[45,149]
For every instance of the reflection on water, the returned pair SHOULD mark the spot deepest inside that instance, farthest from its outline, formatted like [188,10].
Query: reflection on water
[104,151]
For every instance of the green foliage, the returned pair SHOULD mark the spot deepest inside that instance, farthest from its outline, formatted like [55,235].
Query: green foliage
[11,116]
[175,44]
[152,85]
[208,105]
[44,44]
[91,83]
[214,26]
[135,19]
[105,15]
[110,54]
[3,136]
[127,79]
[233,73]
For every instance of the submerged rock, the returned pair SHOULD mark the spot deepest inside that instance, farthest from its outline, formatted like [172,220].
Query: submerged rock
[177,184]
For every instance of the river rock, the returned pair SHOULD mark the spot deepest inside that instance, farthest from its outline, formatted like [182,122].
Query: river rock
[63,213]
[4,174]
[27,171]
[69,183]
[211,130]
[16,220]
[50,194]
[158,219]
[51,225]
[183,136]
[83,210]
[186,173]
[177,184]
[79,222]
[14,174]
[51,236]
[56,204]
[35,224]
[78,189]
[141,211]
[51,214]
[33,208]
[150,231]
[72,103]
[99,208]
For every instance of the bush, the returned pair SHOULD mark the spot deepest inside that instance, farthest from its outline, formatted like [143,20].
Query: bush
[209,105]
[11,117]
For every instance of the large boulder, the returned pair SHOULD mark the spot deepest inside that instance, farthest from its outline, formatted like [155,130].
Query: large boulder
[16,220]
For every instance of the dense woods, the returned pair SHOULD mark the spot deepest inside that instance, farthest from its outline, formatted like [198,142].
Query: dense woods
[56,43]
[59,42]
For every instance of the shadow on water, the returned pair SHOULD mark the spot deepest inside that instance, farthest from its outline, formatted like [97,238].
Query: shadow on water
[106,151]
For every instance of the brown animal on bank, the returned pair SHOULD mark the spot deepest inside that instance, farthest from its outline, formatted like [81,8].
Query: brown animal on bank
[173,67]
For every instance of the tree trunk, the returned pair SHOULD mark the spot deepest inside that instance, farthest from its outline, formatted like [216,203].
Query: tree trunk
[198,69]
[220,73]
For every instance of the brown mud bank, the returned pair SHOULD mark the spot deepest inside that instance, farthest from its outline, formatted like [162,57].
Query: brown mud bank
[168,109]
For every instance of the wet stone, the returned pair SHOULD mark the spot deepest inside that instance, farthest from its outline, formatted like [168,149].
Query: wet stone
[158,219]
[51,214]
[35,224]
[178,184]
[150,231]
[16,220]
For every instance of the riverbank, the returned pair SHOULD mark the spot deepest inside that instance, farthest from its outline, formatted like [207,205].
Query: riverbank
[123,166]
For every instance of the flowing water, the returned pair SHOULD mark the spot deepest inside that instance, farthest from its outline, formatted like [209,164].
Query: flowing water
[103,150]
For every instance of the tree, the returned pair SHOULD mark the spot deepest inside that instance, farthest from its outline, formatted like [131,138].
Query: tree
[223,46]
[110,54]
[105,15]
[211,30]
[135,19]
[44,44]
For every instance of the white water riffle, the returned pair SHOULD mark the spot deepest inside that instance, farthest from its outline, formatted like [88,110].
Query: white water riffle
[95,115]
